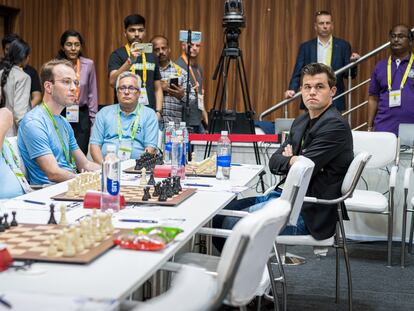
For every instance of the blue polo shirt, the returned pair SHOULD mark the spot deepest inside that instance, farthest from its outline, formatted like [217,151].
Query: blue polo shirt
[10,186]
[105,129]
[37,137]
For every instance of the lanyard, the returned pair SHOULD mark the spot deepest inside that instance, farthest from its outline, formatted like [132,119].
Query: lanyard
[69,158]
[404,79]
[328,61]
[15,158]
[144,65]
[15,168]
[134,127]
[184,57]
[78,78]
[178,68]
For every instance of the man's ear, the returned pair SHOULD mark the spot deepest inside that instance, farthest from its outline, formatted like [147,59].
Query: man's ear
[47,86]
[333,91]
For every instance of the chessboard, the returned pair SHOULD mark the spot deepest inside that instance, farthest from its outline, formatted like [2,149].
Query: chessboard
[31,242]
[134,194]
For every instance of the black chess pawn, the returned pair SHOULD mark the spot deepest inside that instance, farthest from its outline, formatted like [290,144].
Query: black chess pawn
[169,190]
[147,194]
[2,229]
[151,180]
[14,221]
[156,192]
[163,195]
[6,224]
[176,188]
[52,220]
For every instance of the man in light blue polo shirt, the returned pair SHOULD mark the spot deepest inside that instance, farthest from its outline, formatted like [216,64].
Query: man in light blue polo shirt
[9,184]
[132,127]
[45,139]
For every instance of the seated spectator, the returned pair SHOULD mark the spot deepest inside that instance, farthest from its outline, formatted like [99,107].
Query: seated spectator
[322,135]
[35,87]
[130,125]
[46,140]
[15,83]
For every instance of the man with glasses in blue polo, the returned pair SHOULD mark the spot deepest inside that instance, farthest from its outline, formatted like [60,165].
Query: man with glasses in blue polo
[131,126]
[45,139]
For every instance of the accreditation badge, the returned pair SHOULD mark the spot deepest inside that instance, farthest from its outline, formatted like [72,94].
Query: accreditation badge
[395,98]
[72,113]
[143,97]
[125,150]
[22,180]
[200,102]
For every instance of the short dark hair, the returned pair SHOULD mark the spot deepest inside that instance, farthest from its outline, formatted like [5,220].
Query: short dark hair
[46,73]
[160,37]
[9,38]
[409,32]
[322,12]
[317,68]
[64,37]
[134,19]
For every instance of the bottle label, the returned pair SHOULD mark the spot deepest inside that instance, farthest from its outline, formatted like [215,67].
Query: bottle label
[224,160]
[113,186]
[168,146]
[186,148]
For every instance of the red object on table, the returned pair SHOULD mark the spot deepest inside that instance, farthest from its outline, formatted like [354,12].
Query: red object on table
[92,199]
[162,171]
[5,258]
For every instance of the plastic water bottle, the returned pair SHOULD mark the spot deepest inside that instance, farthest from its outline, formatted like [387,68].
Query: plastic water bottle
[111,176]
[169,133]
[223,156]
[177,168]
[183,127]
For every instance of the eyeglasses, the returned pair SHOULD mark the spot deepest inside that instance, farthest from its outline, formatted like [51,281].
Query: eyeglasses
[130,89]
[398,36]
[68,82]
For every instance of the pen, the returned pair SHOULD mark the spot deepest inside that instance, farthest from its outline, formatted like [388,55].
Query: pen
[236,164]
[149,221]
[34,202]
[198,185]
[5,302]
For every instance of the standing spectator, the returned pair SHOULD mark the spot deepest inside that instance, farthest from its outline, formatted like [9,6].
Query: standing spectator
[15,83]
[35,87]
[81,115]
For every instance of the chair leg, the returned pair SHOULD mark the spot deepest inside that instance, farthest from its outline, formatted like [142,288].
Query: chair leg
[390,227]
[347,263]
[403,230]
[410,243]
[282,278]
[338,279]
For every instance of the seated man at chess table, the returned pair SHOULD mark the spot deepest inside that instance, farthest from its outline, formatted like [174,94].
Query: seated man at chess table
[322,135]
[12,181]
[45,139]
[131,126]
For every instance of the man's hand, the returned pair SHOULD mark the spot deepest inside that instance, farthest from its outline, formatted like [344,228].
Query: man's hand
[6,120]
[290,93]
[354,57]
[164,85]
[287,152]
[176,91]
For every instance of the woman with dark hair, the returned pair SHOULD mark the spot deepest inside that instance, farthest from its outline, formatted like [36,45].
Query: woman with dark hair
[15,83]
[81,115]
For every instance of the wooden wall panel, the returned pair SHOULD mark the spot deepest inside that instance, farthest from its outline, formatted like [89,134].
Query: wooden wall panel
[270,41]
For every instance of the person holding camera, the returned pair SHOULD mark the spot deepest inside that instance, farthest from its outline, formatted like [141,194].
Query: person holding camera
[173,82]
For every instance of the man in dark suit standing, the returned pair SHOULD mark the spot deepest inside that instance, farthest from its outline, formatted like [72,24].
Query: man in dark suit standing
[325,49]
[322,135]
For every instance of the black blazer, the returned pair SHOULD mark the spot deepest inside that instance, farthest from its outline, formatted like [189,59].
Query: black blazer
[341,53]
[329,145]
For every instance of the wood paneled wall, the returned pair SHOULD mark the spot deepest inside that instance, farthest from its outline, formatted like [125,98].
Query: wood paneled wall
[270,41]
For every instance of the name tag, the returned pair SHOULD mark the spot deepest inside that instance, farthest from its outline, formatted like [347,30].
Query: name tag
[124,150]
[143,97]
[72,113]
[22,180]
[395,98]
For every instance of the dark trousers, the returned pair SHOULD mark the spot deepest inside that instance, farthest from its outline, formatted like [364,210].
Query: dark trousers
[82,129]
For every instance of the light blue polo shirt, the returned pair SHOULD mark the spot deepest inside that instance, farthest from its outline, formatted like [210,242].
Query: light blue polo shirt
[105,129]
[37,137]
[10,186]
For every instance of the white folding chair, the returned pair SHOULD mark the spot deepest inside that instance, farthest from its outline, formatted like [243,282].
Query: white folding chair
[383,148]
[339,239]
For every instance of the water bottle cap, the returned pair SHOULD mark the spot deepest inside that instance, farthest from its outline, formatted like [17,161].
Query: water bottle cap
[171,123]
[110,148]
[179,132]
[224,133]
[182,124]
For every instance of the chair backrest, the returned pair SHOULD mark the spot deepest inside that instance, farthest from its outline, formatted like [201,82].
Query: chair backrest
[406,134]
[13,143]
[296,186]
[261,227]
[354,172]
[382,146]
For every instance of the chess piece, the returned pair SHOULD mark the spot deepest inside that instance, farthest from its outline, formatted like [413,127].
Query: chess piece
[193,157]
[6,224]
[70,192]
[156,192]
[52,249]
[84,233]
[52,220]
[176,187]
[151,180]
[69,250]
[14,221]
[2,229]
[78,241]
[63,221]
[163,195]
[179,184]
[143,180]
[146,195]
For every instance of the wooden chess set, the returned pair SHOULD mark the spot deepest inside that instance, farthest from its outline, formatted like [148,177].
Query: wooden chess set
[80,243]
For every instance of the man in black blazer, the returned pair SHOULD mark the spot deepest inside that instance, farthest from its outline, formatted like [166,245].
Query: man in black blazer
[322,135]
[325,49]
